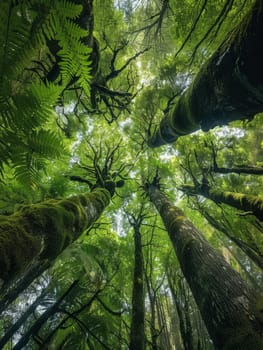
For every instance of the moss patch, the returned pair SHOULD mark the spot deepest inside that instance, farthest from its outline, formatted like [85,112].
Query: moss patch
[44,230]
[17,246]
[240,201]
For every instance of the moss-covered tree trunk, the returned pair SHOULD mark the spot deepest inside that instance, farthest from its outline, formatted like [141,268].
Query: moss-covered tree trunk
[241,201]
[232,312]
[228,87]
[137,339]
[40,232]
[250,170]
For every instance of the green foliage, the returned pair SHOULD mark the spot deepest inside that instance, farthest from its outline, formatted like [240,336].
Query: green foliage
[27,102]
[44,121]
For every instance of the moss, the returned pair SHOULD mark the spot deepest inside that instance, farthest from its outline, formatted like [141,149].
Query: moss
[53,223]
[17,246]
[239,201]
[83,200]
[102,195]
[45,229]
[75,207]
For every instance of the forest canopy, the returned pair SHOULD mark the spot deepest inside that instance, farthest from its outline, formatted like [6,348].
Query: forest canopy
[131,163]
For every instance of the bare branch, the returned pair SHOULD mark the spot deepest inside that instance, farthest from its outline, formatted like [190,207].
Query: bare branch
[192,29]
[115,72]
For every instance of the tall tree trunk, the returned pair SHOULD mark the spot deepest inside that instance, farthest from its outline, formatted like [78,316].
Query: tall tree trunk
[137,339]
[228,87]
[241,201]
[152,299]
[231,310]
[165,320]
[42,231]
[181,302]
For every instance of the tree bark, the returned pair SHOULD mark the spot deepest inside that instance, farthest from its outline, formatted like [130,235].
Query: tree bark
[137,338]
[152,298]
[241,201]
[231,310]
[40,232]
[250,170]
[228,87]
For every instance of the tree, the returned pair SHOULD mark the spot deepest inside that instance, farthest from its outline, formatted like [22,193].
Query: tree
[245,202]
[44,230]
[83,85]
[137,339]
[225,301]
[227,87]
[241,169]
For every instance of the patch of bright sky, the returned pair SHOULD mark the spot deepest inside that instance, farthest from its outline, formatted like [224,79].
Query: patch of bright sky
[65,109]
[223,131]
[228,131]
[169,153]
[123,124]
[121,4]
[145,78]
[118,220]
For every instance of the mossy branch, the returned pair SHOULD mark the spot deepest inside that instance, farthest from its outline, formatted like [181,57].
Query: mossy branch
[42,231]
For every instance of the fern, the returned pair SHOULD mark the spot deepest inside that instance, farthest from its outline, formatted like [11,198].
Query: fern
[46,143]
[74,53]
[15,39]
[26,102]
[31,154]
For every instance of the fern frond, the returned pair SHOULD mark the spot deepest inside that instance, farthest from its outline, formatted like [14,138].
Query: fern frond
[27,104]
[4,156]
[30,109]
[46,96]
[24,171]
[46,143]
[29,153]
[74,53]
[70,10]
[17,49]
